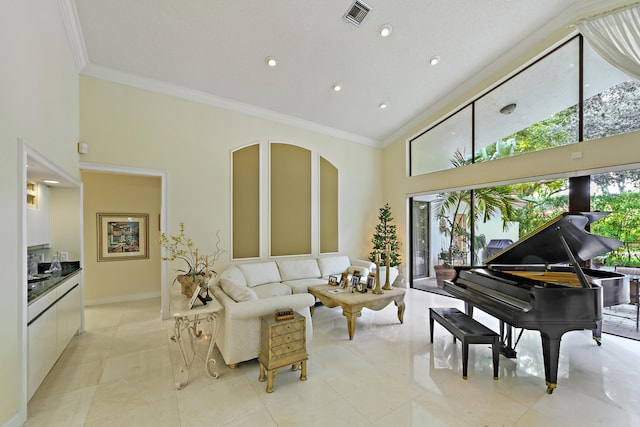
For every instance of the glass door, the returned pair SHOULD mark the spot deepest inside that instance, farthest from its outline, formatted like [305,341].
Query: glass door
[421,220]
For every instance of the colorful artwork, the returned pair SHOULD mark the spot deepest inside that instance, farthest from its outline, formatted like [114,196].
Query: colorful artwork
[122,236]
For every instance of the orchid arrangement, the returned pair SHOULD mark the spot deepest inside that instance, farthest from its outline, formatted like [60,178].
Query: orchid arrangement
[182,247]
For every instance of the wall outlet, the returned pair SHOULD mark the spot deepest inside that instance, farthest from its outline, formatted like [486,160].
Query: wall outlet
[64,256]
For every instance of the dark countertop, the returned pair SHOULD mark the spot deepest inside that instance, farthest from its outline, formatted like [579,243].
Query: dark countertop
[44,283]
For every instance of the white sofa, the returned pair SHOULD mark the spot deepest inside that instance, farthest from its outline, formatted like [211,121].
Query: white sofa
[249,291]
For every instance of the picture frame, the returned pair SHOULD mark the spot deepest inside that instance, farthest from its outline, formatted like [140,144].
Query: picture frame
[122,236]
[333,280]
[195,296]
[371,281]
[355,281]
[344,280]
[362,287]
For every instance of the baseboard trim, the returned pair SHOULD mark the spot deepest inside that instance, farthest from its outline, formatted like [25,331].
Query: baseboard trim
[13,421]
[121,298]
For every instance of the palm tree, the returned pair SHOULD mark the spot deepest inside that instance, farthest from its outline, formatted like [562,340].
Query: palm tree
[487,202]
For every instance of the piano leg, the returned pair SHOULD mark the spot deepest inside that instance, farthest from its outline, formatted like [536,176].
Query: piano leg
[506,341]
[597,332]
[551,355]
[468,309]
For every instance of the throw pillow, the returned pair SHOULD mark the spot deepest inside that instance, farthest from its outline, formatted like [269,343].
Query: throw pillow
[236,291]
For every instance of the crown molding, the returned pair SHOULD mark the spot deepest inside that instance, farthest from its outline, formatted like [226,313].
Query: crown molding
[74,33]
[201,97]
[84,66]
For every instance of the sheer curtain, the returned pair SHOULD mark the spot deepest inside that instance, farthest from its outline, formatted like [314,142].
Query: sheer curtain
[616,37]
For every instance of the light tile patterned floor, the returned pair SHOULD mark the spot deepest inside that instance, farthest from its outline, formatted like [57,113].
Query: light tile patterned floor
[122,372]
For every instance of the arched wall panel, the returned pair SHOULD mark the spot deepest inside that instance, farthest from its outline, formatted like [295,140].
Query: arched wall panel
[246,202]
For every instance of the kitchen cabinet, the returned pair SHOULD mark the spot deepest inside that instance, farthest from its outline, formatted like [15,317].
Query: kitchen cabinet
[38,215]
[52,321]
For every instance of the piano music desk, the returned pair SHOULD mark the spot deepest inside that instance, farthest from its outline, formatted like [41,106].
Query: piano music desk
[468,331]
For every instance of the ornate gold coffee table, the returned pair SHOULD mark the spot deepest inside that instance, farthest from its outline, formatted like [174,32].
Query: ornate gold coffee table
[352,303]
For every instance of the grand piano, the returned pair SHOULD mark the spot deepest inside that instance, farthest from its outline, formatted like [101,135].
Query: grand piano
[537,283]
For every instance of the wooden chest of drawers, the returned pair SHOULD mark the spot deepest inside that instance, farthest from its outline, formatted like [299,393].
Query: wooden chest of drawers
[282,343]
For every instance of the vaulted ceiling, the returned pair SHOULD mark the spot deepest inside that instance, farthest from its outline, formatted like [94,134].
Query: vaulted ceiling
[214,51]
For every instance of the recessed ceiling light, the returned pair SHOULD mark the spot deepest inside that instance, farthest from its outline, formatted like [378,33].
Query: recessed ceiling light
[382,105]
[434,60]
[271,61]
[337,87]
[385,30]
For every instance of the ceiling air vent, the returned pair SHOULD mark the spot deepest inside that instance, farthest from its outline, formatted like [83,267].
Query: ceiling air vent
[357,12]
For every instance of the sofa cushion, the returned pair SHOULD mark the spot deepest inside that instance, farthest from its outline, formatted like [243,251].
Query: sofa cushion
[294,269]
[269,290]
[260,273]
[300,286]
[235,274]
[332,265]
[236,291]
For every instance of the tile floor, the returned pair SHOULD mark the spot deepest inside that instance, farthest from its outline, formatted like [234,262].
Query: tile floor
[122,372]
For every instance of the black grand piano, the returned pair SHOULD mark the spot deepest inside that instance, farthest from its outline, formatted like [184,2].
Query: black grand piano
[537,283]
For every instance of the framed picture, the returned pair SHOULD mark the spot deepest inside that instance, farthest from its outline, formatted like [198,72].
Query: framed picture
[355,281]
[371,281]
[122,236]
[195,296]
[362,287]
[333,280]
[344,280]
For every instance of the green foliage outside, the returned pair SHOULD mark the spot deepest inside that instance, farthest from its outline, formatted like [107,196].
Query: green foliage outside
[614,111]
[623,224]
[488,202]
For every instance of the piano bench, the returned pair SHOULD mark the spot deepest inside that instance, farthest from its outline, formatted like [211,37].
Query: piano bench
[468,331]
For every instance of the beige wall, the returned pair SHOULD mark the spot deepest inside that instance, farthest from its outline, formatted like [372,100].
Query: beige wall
[38,102]
[66,219]
[192,142]
[108,281]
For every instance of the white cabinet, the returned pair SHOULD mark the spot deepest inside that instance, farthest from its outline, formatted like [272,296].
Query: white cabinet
[38,215]
[42,350]
[53,320]
[67,318]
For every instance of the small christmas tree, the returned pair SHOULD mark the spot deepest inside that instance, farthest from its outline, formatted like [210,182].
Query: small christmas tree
[385,234]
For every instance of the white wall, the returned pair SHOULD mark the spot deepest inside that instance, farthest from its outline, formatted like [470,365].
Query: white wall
[39,102]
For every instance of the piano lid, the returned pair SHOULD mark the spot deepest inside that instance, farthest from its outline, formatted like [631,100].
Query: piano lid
[544,245]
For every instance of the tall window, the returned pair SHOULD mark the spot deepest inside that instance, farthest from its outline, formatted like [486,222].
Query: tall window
[611,99]
[434,149]
[536,109]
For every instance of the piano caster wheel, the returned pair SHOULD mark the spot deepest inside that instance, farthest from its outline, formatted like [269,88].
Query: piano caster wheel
[550,388]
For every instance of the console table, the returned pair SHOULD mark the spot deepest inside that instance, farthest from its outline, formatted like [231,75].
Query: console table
[188,322]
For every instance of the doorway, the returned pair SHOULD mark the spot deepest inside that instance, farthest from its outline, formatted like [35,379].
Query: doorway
[421,249]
